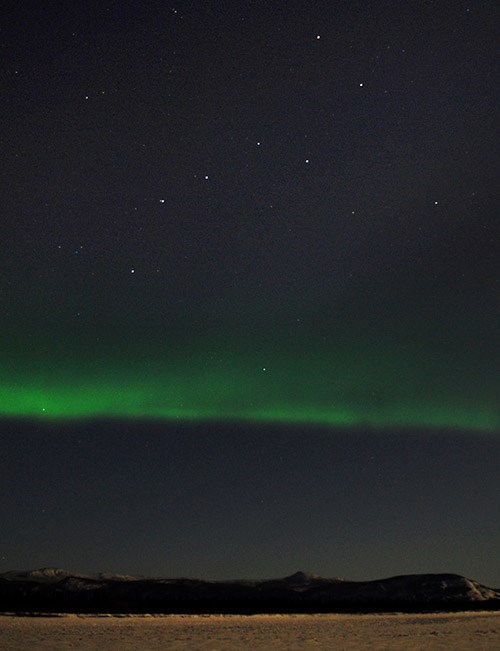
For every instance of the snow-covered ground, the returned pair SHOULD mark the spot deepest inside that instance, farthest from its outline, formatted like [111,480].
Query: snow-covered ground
[460,632]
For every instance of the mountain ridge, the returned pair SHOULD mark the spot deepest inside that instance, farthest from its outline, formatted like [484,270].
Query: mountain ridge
[55,589]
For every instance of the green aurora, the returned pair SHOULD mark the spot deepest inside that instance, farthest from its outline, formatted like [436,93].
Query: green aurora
[282,372]
[156,401]
[394,351]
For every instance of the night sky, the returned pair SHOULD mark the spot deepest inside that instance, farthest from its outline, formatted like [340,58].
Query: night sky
[250,288]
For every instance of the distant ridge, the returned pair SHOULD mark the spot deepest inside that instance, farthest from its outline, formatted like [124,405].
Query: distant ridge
[57,590]
[51,574]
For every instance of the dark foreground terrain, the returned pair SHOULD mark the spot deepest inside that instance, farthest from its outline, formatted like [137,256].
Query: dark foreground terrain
[463,631]
[54,590]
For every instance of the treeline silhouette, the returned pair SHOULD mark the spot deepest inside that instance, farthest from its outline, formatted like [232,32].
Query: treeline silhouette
[127,599]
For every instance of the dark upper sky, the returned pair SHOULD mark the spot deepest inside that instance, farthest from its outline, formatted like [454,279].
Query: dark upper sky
[261,211]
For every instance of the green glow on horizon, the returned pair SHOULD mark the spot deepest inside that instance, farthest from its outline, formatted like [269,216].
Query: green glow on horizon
[153,401]
[355,374]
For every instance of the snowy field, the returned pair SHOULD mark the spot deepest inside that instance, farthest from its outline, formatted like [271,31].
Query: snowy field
[460,632]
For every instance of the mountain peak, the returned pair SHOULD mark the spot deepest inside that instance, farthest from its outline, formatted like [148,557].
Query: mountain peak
[302,577]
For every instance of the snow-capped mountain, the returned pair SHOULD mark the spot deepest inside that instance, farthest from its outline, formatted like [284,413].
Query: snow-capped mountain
[53,589]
